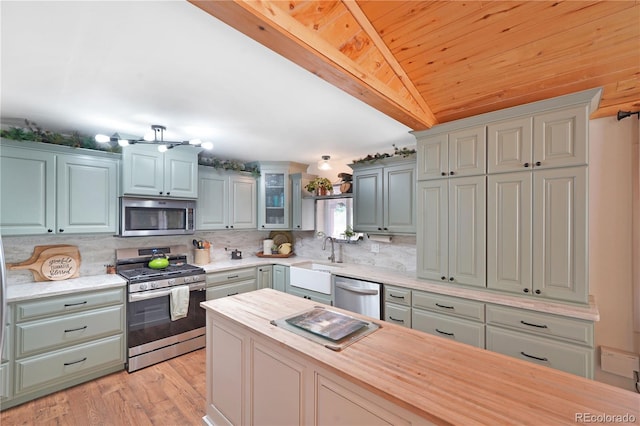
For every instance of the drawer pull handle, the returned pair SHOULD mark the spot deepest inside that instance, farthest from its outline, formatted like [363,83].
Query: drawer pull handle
[444,332]
[396,320]
[75,329]
[68,305]
[396,297]
[232,294]
[232,276]
[444,306]
[534,357]
[75,362]
[533,325]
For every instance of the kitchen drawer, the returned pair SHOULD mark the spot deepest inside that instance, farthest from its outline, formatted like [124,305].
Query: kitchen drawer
[232,275]
[568,329]
[325,299]
[460,330]
[397,314]
[51,333]
[449,305]
[224,290]
[69,303]
[550,353]
[69,363]
[398,295]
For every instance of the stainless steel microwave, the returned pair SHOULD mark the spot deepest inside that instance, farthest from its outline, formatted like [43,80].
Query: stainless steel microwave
[142,217]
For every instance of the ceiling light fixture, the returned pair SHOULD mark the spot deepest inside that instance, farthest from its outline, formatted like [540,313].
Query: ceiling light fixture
[324,163]
[156,136]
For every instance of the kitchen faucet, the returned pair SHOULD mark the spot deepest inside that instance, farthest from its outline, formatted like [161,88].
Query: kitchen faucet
[332,258]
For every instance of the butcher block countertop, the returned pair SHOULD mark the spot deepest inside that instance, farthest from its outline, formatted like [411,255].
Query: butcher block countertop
[443,381]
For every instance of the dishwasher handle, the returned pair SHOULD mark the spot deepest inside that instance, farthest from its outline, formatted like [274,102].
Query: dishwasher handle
[357,290]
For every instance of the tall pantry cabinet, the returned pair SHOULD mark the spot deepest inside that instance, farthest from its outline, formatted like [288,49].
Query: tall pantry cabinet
[526,169]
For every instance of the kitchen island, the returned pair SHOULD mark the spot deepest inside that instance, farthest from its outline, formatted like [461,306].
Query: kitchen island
[260,373]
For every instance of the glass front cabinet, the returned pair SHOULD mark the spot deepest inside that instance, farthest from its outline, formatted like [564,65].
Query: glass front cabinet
[274,199]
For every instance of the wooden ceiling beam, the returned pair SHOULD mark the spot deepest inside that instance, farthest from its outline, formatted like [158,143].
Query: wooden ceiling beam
[277,30]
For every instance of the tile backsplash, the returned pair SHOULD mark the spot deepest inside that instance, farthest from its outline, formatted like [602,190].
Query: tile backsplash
[97,250]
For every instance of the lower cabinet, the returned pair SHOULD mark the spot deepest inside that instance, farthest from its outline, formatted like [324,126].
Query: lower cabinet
[325,299]
[280,277]
[6,366]
[555,341]
[253,381]
[58,342]
[265,276]
[229,283]
[397,305]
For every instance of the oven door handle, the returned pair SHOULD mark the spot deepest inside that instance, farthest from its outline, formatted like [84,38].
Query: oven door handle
[152,294]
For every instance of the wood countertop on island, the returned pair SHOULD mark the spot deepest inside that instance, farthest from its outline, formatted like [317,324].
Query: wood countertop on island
[439,380]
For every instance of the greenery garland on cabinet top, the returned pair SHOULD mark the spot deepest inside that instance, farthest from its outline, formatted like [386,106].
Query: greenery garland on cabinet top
[236,166]
[33,133]
[402,152]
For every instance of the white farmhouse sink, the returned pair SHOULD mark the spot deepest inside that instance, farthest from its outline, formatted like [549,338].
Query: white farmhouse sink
[313,276]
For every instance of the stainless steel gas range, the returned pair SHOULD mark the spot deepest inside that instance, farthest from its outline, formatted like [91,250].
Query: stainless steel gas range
[152,336]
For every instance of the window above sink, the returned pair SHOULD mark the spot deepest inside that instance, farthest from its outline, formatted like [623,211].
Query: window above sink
[334,218]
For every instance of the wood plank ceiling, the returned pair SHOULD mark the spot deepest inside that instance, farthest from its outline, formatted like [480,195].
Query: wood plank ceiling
[429,62]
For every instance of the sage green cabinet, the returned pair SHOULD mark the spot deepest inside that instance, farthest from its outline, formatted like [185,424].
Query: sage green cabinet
[230,283]
[280,277]
[58,342]
[452,230]
[6,360]
[457,153]
[50,189]
[264,276]
[384,197]
[274,193]
[302,206]
[556,138]
[225,200]
[149,172]
[397,305]
[326,299]
[537,223]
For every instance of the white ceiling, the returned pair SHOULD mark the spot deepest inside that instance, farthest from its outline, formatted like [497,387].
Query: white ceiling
[114,66]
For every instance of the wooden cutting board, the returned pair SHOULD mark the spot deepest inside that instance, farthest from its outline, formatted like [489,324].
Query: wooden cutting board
[54,262]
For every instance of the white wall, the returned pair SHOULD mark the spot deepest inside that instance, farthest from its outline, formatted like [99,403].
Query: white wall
[611,254]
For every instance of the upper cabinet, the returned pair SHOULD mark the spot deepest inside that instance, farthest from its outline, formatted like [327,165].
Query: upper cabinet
[521,225]
[51,189]
[553,139]
[148,172]
[384,196]
[227,200]
[457,153]
[302,206]
[274,194]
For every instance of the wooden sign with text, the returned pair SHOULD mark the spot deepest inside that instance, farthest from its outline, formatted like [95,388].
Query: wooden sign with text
[52,262]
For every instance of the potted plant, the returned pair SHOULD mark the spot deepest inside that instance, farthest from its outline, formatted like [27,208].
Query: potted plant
[319,185]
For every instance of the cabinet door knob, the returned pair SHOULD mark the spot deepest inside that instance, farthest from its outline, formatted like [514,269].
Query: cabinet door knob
[526,164]
[450,278]
[231,227]
[60,230]
[226,226]
[538,163]
[49,230]
[443,278]
[452,173]
[443,174]
[160,192]
[526,290]
[263,226]
[168,193]
[379,229]
[538,292]
[386,229]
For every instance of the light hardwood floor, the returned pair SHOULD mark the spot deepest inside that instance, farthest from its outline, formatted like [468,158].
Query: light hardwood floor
[170,393]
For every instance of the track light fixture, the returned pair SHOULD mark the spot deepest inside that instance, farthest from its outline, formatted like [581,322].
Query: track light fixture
[156,136]
[625,114]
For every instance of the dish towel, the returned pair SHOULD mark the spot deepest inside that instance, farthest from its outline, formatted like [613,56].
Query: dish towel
[179,302]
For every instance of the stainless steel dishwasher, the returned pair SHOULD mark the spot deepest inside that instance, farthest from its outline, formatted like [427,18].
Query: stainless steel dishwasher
[362,297]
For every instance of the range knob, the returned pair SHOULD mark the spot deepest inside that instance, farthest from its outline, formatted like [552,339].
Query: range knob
[154,284]
[188,279]
[171,281]
[143,286]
